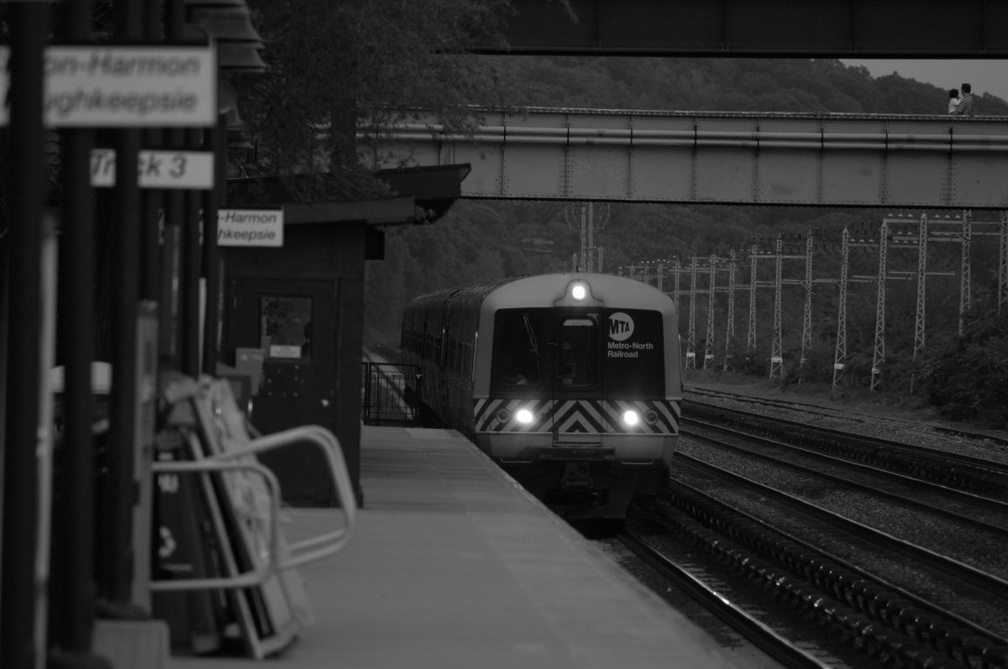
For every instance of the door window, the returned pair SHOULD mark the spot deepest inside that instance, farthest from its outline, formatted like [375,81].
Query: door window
[577,353]
[285,326]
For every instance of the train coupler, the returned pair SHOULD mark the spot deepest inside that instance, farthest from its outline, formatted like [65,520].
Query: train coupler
[577,476]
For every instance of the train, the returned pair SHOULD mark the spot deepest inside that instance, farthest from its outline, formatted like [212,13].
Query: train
[570,382]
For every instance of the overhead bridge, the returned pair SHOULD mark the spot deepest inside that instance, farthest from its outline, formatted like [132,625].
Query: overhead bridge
[834,160]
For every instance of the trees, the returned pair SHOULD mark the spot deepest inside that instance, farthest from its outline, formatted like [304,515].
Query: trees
[331,63]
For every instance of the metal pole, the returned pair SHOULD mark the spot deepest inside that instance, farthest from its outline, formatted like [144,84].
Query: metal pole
[751,334]
[189,278]
[153,199]
[878,356]
[709,343]
[965,278]
[691,339]
[730,326]
[806,342]
[776,354]
[20,643]
[72,591]
[170,313]
[118,556]
[840,354]
[212,200]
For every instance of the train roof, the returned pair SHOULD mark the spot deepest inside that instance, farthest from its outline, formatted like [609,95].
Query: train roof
[543,290]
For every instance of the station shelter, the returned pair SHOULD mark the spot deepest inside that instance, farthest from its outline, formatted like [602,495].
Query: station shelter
[291,333]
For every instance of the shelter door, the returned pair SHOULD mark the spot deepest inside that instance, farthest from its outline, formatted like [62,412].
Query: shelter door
[293,324]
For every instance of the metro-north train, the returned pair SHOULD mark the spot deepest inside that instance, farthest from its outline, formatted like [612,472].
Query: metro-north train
[570,382]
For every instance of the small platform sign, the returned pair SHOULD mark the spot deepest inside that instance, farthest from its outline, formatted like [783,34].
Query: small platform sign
[124,86]
[158,169]
[250,227]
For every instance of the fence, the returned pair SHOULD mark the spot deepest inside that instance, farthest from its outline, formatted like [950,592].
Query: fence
[384,395]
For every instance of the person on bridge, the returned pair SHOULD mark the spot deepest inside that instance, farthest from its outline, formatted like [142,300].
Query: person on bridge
[953,100]
[965,106]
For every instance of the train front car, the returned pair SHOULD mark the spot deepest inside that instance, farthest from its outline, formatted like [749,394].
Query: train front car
[578,396]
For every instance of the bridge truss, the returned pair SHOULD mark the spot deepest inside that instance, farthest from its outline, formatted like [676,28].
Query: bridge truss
[835,160]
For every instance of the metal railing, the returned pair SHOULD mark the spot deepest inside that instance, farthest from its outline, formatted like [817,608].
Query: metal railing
[385,400]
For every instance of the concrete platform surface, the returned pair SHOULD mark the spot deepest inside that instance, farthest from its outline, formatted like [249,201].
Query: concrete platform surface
[455,565]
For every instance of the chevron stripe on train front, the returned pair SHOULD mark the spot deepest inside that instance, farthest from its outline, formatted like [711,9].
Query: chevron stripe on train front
[576,416]
[593,416]
[488,414]
[666,416]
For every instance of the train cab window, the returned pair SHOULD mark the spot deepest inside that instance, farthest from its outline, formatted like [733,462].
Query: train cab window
[577,353]
[517,350]
[285,326]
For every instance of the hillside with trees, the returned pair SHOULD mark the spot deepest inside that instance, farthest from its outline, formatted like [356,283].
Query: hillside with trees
[483,239]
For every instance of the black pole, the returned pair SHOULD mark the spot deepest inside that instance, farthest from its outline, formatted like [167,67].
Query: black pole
[19,633]
[189,308]
[118,557]
[212,200]
[153,199]
[170,309]
[72,584]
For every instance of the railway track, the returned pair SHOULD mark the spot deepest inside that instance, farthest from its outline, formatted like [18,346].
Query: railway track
[891,539]
[805,562]
[982,471]
[722,600]
[697,394]
[982,513]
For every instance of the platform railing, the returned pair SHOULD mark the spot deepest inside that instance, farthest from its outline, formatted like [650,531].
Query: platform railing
[240,455]
[384,400]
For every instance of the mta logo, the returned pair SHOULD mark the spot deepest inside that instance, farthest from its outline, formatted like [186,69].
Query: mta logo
[620,326]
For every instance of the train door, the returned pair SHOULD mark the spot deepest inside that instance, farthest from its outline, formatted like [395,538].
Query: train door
[577,382]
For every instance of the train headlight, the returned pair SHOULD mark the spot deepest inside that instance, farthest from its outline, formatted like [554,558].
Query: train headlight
[579,291]
[631,417]
[524,416]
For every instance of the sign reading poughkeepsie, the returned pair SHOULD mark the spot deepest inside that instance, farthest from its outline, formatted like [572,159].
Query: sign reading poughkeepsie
[120,86]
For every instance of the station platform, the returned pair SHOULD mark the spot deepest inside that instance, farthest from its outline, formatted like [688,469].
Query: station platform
[453,564]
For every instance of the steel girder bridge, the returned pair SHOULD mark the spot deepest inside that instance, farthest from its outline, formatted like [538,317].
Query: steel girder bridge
[830,160]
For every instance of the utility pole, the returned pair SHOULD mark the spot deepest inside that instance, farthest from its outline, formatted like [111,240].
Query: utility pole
[878,356]
[776,355]
[806,340]
[730,325]
[840,354]
[709,340]
[751,335]
[691,339]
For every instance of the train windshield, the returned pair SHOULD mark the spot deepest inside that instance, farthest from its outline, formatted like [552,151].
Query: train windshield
[547,350]
[518,354]
[616,352]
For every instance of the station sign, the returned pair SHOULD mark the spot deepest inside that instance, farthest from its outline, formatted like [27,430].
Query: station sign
[158,169]
[250,227]
[123,86]
[242,227]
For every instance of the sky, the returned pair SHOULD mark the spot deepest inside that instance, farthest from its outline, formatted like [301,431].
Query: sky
[985,76]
